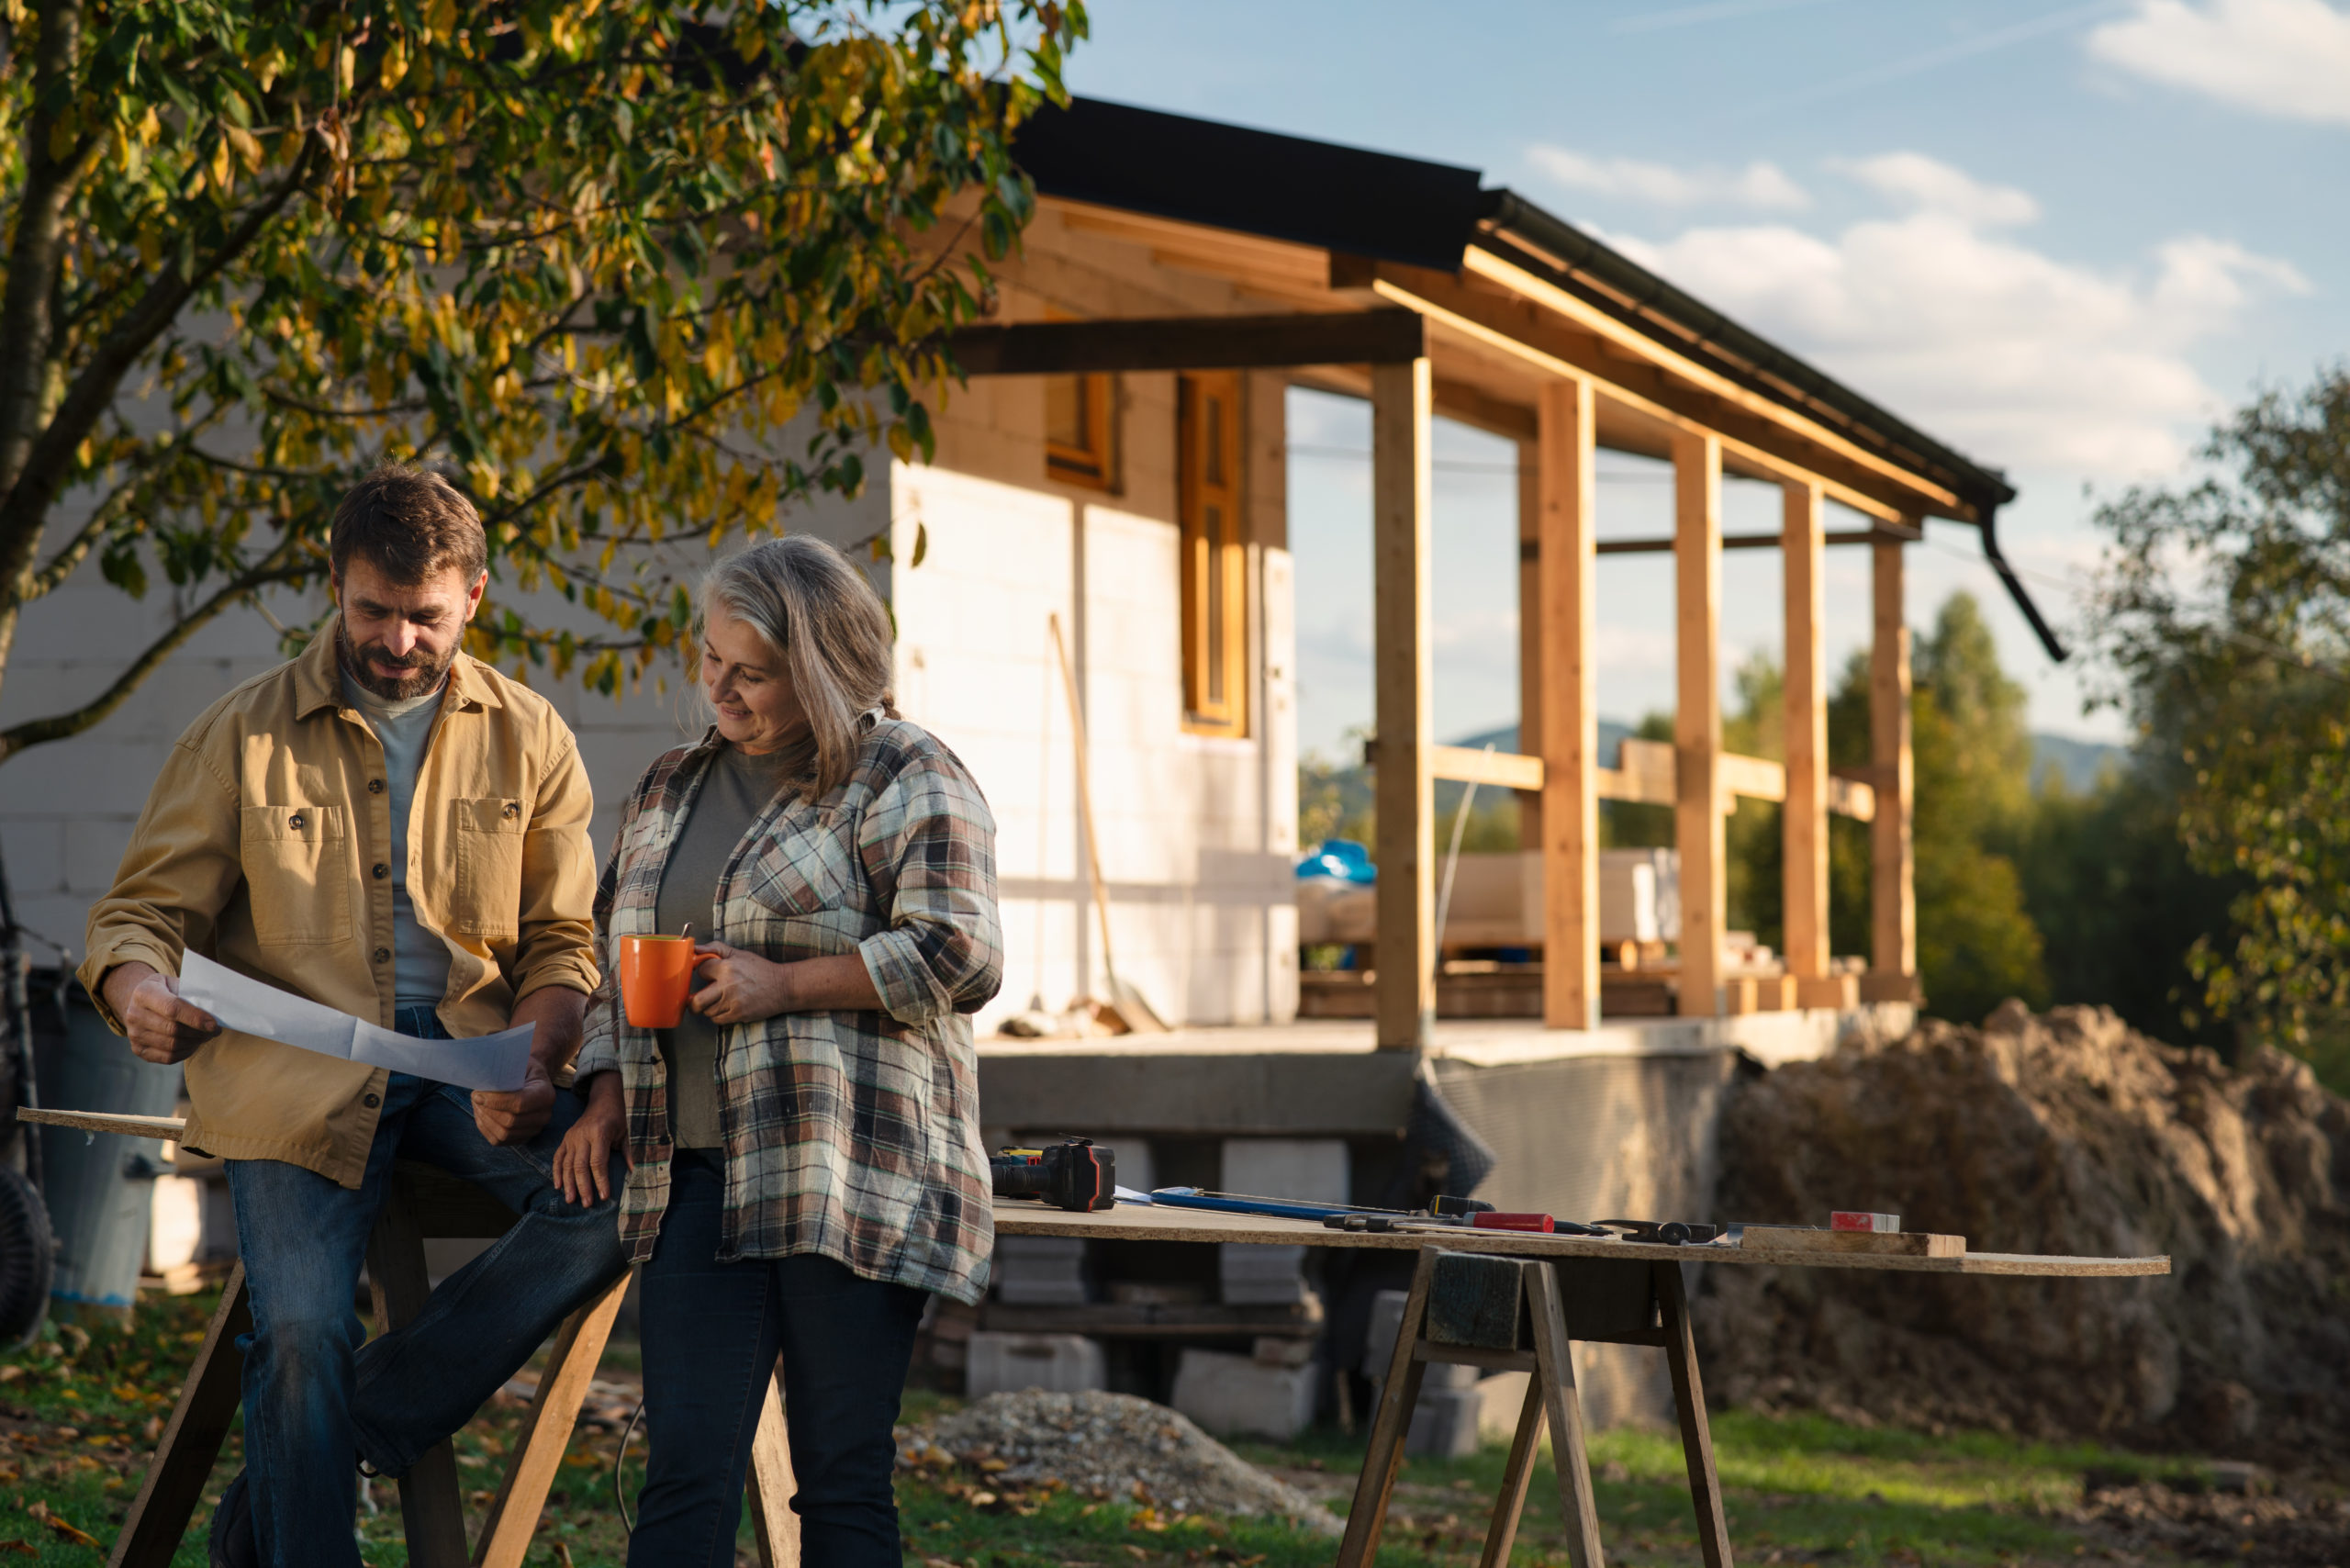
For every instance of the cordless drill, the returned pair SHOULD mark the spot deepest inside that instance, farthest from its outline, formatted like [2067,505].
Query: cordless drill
[1070,1175]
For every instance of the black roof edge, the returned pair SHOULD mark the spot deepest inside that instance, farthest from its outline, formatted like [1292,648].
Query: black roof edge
[1424,213]
[1256,182]
[1555,250]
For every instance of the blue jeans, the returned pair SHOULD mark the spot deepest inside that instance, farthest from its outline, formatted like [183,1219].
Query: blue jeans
[712,1333]
[315,1401]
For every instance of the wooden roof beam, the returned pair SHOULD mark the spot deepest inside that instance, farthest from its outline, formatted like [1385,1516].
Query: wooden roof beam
[1524,332]
[1518,282]
[1192,342]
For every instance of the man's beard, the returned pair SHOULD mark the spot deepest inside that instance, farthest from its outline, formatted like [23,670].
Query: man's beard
[424,673]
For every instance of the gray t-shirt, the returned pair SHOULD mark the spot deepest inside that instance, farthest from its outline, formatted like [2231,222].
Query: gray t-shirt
[419,957]
[736,790]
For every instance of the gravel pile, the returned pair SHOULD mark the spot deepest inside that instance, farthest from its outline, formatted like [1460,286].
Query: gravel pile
[1107,1446]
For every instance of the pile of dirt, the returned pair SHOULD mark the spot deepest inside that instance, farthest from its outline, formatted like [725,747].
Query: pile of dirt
[2296,1529]
[1106,1446]
[2059,1134]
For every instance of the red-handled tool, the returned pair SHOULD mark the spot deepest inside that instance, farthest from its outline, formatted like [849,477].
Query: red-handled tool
[1542,1225]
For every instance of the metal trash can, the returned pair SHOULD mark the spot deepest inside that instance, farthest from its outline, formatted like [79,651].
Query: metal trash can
[100,1187]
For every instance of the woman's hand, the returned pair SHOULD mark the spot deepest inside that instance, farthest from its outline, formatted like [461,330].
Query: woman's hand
[583,1163]
[743,988]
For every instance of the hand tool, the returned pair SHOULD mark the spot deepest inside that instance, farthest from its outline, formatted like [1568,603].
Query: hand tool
[1665,1233]
[1540,1224]
[1072,1174]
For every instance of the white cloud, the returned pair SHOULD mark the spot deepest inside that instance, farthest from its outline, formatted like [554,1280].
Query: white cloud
[2285,57]
[1763,187]
[2015,356]
[1927,184]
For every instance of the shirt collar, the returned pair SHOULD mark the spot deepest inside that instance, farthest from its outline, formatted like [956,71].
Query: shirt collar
[317,677]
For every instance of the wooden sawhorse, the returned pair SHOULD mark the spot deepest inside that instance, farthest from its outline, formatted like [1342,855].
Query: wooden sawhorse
[424,1203]
[1514,1314]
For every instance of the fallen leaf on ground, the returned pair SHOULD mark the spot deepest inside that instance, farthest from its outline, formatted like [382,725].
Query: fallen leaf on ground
[21,1548]
[66,1527]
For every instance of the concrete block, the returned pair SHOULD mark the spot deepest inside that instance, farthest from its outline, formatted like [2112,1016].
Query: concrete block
[1040,1270]
[1235,1396]
[1445,1422]
[1499,1399]
[1008,1364]
[1313,1170]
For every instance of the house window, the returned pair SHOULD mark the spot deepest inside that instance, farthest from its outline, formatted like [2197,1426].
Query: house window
[1215,583]
[1078,429]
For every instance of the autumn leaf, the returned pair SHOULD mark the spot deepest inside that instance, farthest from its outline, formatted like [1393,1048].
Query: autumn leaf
[65,1529]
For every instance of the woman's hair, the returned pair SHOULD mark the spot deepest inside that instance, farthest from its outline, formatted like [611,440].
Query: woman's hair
[808,603]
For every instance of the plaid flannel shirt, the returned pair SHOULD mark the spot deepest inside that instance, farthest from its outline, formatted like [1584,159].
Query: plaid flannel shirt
[851,1135]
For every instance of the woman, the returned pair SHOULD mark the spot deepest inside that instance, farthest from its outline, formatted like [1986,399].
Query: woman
[803,1147]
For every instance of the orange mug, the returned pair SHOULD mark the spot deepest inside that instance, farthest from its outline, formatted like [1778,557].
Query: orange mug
[656,974]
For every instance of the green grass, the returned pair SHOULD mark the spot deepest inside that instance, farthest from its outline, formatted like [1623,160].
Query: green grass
[80,1406]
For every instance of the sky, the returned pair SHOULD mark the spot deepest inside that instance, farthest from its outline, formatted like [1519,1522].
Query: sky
[2064,238]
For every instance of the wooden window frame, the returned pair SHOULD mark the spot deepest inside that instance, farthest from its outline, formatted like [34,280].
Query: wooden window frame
[1094,467]
[1214,570]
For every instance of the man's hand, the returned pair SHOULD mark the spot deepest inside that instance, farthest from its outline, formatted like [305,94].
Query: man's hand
[160,1026]
[518,1116]
[583,1165]
[556,1012]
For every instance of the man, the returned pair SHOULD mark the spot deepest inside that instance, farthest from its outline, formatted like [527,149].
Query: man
[389,828]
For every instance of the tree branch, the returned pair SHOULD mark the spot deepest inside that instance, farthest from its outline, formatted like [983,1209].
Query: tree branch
[60,726]
[34,258]
[93,390]
[70,555]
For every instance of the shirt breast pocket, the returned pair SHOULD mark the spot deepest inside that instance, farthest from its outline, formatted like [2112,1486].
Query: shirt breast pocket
[296,877]
[489,836]
[804,872]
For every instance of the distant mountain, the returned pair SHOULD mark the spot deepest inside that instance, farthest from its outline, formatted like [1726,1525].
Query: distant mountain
[2077,762]
[1612,733]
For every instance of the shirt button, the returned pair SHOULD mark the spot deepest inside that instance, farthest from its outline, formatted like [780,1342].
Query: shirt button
[383,954]
[382,871]
[375,785]
[371,1101]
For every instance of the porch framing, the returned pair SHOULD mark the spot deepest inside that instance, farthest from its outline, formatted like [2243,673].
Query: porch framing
[1505,349]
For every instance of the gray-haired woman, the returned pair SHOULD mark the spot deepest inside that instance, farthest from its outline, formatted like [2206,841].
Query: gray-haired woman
[803,1147]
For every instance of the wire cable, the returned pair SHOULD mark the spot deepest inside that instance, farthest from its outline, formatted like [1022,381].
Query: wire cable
[628,1525]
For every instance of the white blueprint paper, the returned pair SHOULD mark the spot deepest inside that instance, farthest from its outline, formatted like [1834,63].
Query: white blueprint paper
[487,1061]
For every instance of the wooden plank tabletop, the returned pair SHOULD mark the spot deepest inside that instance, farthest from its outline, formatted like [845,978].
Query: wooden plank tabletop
[1138,1222]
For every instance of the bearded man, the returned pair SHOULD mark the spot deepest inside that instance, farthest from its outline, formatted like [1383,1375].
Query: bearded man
[389,828]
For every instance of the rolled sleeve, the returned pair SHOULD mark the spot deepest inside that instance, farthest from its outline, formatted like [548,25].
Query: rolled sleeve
[181,870]
[557,945]
[931,837]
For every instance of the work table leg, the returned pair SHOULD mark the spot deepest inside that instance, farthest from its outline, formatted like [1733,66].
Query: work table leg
[1689,1402]
[1385,1455]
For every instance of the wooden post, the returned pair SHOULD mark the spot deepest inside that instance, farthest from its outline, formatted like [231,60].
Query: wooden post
[1893,896]
[1570,730]
[1402,402]
[1529,633]
[1804,816]
[1697,716]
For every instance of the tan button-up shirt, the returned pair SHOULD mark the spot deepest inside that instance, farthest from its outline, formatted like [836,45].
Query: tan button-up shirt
[265,843]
